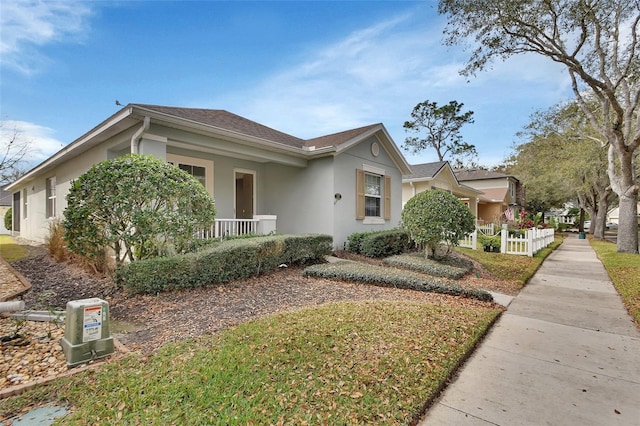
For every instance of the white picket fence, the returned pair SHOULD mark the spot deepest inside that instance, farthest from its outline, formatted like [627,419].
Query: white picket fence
[532,241]
[528,243]
[471,240]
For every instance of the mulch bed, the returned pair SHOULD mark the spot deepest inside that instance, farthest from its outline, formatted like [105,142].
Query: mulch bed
[175,315]
[153,320]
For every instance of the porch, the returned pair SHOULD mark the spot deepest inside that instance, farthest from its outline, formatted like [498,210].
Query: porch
[224,228]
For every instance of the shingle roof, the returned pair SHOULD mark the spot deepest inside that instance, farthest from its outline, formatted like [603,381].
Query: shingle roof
[227,121]
[336,139]
[478,174]
[425,170]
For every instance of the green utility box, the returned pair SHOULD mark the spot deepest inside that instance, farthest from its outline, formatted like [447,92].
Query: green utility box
[86,331]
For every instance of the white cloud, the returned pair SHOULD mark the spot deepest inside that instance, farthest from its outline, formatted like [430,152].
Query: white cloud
[27,25]
[41,142]
[343,85]
[379,73]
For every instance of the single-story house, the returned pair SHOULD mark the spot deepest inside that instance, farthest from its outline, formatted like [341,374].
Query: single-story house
[438,175]
[499,193]
[336,184]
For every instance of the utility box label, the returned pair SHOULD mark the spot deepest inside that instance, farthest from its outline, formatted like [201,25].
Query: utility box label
[92,325]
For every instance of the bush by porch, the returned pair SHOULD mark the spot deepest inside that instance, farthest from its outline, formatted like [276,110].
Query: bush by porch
[222,262]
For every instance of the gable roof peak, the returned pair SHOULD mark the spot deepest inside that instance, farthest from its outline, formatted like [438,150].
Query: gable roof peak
[339,138]
[426,170]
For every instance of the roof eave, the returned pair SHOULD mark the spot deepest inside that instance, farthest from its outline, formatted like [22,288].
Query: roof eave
[82,141]
[219,131]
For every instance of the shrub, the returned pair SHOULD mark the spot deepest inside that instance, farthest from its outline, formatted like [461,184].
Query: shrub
[137,206]
[8,220]
[227,261]
[55,241]
[434,218]
[427,266]
[378,243]
[490,242]
[354,241]
[391,277]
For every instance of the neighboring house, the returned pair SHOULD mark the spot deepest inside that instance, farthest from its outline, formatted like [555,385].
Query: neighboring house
[613,215]
[563,215]
[5,205]
[500,192]
[438,175]
[337,184]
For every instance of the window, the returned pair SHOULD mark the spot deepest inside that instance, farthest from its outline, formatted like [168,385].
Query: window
[199,168]
[51,197]
[24,203]
[372,192]
[373,196]
[195,171]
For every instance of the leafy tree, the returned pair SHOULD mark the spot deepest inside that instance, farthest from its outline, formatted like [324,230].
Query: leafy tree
[8,219]
[561,162]
[434,218]
[597,42]
[441,125]
[138,207]
[13,150]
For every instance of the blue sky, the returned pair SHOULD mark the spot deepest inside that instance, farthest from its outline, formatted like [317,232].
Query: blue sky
[308,68]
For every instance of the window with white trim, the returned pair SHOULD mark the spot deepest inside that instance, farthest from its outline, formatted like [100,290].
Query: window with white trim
[372,195]
[195,171]
[51,197]
[199,168]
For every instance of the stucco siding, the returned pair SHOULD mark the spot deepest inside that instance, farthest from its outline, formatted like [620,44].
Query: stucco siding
[345,168]
[302,198]
[224,179]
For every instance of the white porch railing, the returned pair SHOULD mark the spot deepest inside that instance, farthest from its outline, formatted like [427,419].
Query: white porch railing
[259,225]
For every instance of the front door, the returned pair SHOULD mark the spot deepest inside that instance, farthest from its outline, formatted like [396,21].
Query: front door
[244,194]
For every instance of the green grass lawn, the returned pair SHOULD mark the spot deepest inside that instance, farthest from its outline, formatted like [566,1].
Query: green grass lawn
[344,363]
[624,270]
[10,250]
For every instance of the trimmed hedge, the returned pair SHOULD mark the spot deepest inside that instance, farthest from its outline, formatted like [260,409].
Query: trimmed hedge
[227,261]
[378,243]
[417,262]
[390,277]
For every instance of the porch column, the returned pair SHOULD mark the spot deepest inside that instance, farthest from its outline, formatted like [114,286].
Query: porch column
[266,224]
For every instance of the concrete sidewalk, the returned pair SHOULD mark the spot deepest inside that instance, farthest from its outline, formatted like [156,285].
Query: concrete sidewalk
[564,353]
